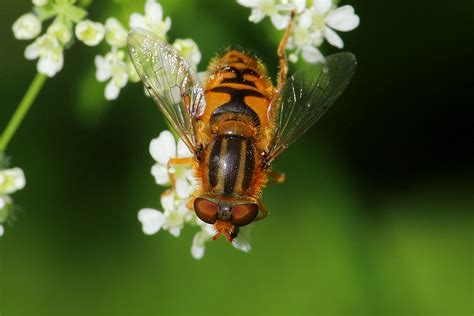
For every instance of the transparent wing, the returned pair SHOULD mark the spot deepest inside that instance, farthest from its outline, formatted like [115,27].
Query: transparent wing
[170,80]
[306,96]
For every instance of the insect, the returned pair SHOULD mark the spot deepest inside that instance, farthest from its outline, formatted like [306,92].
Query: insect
[236,122]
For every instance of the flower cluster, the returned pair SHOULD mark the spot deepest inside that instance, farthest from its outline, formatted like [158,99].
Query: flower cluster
[48,48]
[315,22]
[11,180]
[69,21]
[174,200]
[116,66]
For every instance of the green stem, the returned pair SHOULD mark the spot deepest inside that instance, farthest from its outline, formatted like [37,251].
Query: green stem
[21,110]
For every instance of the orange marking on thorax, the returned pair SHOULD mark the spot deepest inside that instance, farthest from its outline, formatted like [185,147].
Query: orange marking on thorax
[239,71]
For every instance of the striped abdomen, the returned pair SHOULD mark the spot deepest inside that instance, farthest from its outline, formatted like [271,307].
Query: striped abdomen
[238,95]
[230,162]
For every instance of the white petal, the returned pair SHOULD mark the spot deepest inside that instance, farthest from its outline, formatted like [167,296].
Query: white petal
[103,71]
[49,66]
[111,91]
[300,5]
[153,11]
[120,74]
[293,58]
[163,147]
[167,25]
[242,241]
[167,200]
[60,30]
[200,240]
[116,35]
[333,38]
[151,219]
[241,244]
[248,3]
[256,16]
[2,231]
[137,20]
[28,26]
[16,179]
[311,54]
[280,21]
[40,3]
[343,19]
[197,251]
[183,150]
[160,172]
[32,51]
[306,19]
[90,33]
[322,6]
[175,231]
[182,188]
[189,50]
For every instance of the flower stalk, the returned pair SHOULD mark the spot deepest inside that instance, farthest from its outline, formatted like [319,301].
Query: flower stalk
[22,110]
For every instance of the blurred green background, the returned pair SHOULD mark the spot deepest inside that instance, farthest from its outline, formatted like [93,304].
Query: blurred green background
[375,218]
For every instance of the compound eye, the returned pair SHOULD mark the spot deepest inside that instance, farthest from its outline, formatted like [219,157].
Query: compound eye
[244,214]
[206,210]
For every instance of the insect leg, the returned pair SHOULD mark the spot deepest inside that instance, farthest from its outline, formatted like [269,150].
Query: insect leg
[263,212]
[282,73]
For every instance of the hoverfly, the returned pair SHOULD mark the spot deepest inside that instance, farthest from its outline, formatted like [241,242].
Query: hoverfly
[236,122]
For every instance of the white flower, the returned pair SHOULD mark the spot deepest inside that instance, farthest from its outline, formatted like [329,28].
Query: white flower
[278,13]
[28,26]
[300,5]
[50,53]
[189,50]
[172,219]
[11,180]
[116,35]
[241,242]
[40,3]
[152,20]
[112,67]
[324,18]
[60,30]
[2,231]
[90,33]
[200,239]
[162,149]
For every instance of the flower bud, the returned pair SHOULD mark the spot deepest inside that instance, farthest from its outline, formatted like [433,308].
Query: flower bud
[11,180]
[28,26]
[189,50]
[90,33]
[116,35]
[61,31]
[40,3]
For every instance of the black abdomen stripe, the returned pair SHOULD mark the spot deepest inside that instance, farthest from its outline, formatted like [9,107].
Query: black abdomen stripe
[237,104]
[239,76]
[214,158]
[231,164]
